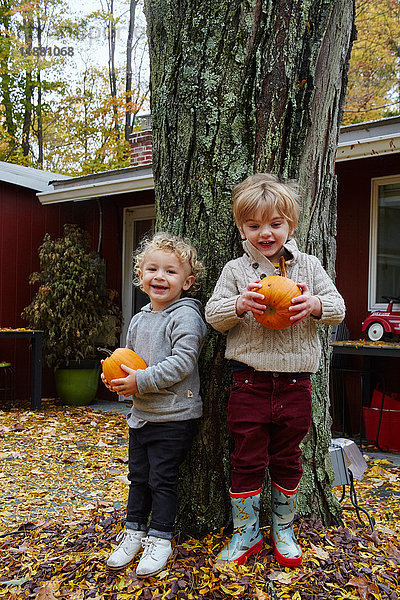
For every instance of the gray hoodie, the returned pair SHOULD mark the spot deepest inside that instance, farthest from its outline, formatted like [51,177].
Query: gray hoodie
[169,341]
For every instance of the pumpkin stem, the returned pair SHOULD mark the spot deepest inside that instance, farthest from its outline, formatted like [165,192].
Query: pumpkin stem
[105,351]
[282,267]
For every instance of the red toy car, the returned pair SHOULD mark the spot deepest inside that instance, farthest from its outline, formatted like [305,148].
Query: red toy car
[383,324]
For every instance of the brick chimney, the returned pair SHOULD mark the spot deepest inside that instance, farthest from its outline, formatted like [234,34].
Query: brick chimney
[141,143]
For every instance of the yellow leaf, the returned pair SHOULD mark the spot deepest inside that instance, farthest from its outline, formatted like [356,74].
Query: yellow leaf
[162,574]
[233,590]
[376,471]
[319,552]
[204,591]
[121,584]
[284,578]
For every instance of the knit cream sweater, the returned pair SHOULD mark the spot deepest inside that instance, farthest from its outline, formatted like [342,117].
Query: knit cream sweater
[294,349]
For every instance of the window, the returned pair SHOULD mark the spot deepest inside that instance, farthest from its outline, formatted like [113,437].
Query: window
[384,269]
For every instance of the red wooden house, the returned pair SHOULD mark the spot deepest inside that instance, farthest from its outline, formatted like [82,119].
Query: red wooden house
[117,208]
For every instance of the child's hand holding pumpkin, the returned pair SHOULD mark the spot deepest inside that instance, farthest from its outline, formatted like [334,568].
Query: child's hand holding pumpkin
[125,386]
[249,300]
[305,305]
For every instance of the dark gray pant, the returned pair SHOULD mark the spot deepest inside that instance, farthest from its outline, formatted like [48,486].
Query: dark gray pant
[156,452]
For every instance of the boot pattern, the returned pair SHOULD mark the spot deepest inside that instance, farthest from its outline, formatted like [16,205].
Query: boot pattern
[286,547]
[246,539]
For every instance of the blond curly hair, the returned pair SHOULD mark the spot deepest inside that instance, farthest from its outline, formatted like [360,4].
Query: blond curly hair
[181,247]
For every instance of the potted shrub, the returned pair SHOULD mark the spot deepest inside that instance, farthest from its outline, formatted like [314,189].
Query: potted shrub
[76,312]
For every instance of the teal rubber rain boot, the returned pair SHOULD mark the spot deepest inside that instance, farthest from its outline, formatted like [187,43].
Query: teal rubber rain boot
[286,548]
[246,539]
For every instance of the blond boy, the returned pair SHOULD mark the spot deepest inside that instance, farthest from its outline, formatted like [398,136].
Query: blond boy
[269,410]
[168,333]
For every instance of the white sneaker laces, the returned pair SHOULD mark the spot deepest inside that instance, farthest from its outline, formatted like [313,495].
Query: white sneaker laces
[120,535]
[148,547]
[125,535]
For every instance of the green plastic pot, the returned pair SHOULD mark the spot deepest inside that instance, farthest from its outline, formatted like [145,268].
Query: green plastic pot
[77,383]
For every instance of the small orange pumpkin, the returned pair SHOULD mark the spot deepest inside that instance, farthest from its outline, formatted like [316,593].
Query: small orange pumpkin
[112,364]
[278,292]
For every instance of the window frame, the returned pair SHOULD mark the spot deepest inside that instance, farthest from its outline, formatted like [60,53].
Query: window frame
[132,214]
[376,182]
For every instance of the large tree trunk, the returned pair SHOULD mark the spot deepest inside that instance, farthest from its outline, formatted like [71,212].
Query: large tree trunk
[237,87]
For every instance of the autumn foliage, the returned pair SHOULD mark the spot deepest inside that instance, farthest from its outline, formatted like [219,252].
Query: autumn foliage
[63,496]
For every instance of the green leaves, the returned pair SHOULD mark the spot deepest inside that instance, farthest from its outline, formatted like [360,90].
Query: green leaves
[72,301]
[372,91]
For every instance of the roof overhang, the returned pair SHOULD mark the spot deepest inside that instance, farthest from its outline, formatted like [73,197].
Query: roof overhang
[28,177]
[95,189]
[365,140]
[387,144]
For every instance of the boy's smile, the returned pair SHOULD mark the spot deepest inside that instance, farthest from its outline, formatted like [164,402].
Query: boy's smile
[164,277]
[267,234]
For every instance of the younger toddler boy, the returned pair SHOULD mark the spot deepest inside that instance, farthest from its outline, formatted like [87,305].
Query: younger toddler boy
[168,333]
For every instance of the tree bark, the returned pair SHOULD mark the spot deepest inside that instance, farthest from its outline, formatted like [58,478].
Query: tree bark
[39,105]
[239,87]
[28,27]
[128,80]
[111,34]
[6,79]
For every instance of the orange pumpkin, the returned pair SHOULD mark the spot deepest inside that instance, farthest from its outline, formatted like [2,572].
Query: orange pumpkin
[112,364]
[278,292]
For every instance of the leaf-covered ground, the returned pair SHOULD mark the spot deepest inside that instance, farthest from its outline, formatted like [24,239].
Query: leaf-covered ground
[63,490]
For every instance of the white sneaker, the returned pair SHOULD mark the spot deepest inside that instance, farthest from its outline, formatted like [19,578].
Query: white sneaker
[131,543]
[156,552]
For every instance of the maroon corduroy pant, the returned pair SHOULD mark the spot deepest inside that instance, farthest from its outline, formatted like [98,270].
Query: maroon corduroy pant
[268,416]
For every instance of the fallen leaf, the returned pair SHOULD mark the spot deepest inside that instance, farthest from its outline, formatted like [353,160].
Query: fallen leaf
[364,587]
[319,552]
[123,479]
[393,550]
[15,582]
[21,549]
[285,578]
[52,540]
[46,592]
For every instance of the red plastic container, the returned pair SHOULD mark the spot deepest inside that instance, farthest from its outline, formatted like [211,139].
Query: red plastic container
[389,431]
[391,400]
